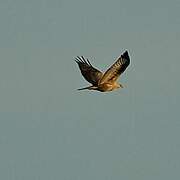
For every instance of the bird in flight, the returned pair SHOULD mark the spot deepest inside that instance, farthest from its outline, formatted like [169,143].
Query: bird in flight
[103,81]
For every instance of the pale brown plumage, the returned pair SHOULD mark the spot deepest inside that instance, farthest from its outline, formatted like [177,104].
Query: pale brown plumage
[103,82]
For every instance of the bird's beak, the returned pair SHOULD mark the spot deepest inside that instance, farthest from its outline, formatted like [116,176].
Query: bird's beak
[121,86]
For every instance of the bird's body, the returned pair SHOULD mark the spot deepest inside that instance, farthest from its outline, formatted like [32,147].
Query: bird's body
[107,81]
[103,87]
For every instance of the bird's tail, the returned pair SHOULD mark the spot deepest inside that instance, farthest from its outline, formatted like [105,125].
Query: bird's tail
[89,88]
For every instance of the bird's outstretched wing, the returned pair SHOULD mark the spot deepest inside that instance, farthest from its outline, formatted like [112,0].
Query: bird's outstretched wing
[116,69]
[90,73]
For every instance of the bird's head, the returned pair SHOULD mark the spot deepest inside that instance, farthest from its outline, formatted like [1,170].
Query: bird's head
[117,86]
[120,86]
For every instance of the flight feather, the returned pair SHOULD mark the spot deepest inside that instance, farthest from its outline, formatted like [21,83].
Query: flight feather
[90,73]
[116,69]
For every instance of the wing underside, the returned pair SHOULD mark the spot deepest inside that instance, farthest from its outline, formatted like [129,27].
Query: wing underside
[90,73]
[116,69]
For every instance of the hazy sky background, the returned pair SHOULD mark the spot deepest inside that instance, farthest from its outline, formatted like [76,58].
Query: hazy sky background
[50,131]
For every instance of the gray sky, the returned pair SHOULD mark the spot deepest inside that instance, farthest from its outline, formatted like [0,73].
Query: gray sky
[48,130]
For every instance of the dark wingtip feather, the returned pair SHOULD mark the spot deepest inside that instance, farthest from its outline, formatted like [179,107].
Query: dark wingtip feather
[125,55]
[76,60]
[89,62]
[82,60]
